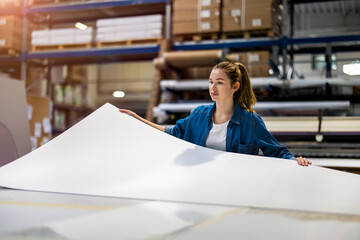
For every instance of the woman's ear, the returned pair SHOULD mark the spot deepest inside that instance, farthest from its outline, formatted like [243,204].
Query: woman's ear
[236,86]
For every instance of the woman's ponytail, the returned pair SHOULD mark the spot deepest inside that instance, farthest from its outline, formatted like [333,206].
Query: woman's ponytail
[245,95]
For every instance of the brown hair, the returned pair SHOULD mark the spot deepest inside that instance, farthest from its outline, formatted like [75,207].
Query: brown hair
[236,72]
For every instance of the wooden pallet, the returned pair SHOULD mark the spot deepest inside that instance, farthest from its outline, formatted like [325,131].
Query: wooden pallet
[129,42]
[248,34]
[60,47]
[197,37]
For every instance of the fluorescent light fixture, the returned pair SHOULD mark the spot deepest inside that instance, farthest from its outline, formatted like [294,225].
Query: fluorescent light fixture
[352,68]
[118,94]
[80,26]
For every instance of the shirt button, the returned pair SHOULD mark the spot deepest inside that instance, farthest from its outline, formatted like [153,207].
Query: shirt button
[227,139]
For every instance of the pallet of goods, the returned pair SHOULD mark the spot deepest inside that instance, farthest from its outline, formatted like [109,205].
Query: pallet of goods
[10,35]
[196,20]
[62,38]
[129,30]
[245,18]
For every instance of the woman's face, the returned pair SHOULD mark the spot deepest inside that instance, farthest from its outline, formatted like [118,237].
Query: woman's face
[220,88]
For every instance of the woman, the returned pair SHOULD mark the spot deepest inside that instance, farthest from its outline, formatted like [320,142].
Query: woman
[230,124]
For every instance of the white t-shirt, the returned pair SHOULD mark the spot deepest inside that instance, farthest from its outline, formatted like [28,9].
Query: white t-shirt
[217,136]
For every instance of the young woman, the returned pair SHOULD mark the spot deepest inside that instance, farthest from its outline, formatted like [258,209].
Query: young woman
[230,124]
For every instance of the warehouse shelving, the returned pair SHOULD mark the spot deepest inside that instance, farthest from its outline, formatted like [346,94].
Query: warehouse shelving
[48,16]
[92,10]
[89,11]
[257,82]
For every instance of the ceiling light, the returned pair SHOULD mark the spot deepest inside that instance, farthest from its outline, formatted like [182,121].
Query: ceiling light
[352,68]
[80,26]
[118,94]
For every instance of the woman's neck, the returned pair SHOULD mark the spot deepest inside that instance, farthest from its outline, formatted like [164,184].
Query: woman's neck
[223,112]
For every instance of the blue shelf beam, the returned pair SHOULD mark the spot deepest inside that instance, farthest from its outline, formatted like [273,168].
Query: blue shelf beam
[283,42]
[239,43]
[94,52]
[96,5]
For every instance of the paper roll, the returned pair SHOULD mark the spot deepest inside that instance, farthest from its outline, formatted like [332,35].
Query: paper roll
[182,59]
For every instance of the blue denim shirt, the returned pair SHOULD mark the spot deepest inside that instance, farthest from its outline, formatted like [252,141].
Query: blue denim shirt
[246,132]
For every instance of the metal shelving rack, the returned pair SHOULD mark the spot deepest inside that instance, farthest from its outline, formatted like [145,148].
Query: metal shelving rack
[80,12]
[93,10]
[50,15]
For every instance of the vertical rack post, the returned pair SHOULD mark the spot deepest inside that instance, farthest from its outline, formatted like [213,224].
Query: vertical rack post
[24,42]
[284,39]
[328,55]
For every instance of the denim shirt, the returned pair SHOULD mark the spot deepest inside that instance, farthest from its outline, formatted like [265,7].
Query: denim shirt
[246,132]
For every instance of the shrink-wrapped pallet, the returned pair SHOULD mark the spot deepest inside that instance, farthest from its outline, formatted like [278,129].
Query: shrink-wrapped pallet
[129,28]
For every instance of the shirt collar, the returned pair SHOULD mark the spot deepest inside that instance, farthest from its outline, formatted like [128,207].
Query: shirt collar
[236,114]
[210,113]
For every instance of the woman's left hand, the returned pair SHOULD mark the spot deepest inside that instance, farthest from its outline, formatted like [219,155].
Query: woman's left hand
[303,161]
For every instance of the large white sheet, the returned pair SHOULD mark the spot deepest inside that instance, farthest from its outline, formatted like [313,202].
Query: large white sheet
[112,154]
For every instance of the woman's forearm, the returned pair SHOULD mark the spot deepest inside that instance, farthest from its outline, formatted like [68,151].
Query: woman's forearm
[157,126]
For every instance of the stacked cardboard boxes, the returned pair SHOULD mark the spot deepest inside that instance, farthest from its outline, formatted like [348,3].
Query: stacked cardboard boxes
[10,33]
[256,62]
[247,15]
[196,16]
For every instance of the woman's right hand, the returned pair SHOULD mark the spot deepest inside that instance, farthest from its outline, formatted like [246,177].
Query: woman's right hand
[131,113]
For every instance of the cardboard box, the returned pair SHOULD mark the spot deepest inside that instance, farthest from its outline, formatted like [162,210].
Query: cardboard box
[256,62]
[10,32]
[232,4]
[36,82]
[242,15]
[258,17]
[196,15]
[196,73]
[195,4]
[231,20]
[196,27]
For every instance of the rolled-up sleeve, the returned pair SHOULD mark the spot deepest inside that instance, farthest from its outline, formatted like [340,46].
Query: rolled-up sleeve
[267,143]
[179,129]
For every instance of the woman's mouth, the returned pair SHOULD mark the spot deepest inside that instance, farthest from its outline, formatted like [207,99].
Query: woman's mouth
[214,94]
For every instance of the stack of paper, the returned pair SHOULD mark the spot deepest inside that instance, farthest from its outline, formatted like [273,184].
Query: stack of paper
[129,28]
[61,36]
